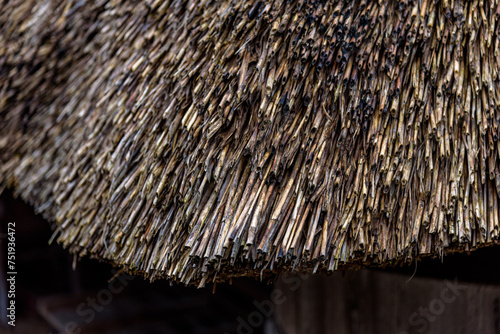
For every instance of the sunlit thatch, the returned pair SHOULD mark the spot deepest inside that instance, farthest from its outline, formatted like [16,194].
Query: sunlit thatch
[201,140]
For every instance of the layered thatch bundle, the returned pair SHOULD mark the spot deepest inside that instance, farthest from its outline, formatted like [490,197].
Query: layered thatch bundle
[202,140]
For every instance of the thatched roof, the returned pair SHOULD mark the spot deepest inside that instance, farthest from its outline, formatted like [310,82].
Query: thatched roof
[201,140]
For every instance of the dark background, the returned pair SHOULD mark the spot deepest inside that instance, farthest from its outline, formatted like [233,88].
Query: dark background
[49,291]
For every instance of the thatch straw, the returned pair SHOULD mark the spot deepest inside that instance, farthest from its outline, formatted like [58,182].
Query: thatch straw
[201,140]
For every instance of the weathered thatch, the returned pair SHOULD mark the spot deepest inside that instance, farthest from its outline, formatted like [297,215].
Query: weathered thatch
[201,140]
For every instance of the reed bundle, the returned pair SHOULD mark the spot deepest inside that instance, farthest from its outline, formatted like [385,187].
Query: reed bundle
[202,140]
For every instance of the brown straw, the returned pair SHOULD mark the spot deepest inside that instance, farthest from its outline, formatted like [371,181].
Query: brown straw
[203,140]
